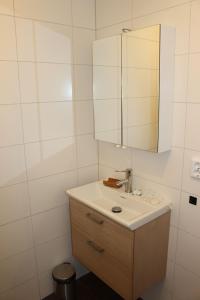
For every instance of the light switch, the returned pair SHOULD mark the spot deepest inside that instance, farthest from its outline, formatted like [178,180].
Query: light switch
[196,168]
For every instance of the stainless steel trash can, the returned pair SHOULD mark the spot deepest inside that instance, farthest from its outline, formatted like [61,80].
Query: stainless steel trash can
[64,277]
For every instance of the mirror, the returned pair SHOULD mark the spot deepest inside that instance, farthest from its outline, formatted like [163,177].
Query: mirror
[133,88]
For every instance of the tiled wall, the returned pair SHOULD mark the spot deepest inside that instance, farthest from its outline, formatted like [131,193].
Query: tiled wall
[167,172]
[46,135]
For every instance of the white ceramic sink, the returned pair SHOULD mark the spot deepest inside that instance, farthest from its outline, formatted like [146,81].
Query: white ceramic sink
[136,210]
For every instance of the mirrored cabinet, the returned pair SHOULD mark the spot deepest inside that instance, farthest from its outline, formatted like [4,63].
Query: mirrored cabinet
[133,88]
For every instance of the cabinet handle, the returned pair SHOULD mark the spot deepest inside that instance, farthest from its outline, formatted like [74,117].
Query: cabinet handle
[94,219]
[95,247]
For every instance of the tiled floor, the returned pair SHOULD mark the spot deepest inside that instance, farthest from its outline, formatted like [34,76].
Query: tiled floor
[89,287]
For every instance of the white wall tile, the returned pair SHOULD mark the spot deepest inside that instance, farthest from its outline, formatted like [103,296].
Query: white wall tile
[25,39]
[194,35]
[177,17]
[48,10]
[9,92]
[57,120]
[192,127]
[190,184]
[6,7]
[188,248]
[165,168]
[54,82]
[7,35]
[172,243]
[50,225]
[186,285]
[193,82]
[82,45]
[14,203]
[113,11]
[12,164]
[82,82]
[143,7]
[31,125]
[178,130]
[15,238]
[28,84]
[84,117]
[52,253]
[10,276]
[53,43]
[49,192]
[46,284]
[50,157]
[28,290]
[87,174]
[87,150]
[181,76]
[10,125]
[83,13]
[189,216]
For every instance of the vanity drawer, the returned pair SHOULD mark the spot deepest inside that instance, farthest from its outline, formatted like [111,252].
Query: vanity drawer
[101,262]
[116,239]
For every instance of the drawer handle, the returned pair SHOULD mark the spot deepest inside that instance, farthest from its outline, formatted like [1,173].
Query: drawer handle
[94,219]
[95,247]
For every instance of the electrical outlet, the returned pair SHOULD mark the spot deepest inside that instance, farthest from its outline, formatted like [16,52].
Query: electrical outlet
[195,169]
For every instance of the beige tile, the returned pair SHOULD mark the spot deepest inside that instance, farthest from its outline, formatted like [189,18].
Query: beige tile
[53,43]
[14,203]
[46,284]
[49,192]
[82,45]
[10,125]
[25,39]
[87,150]
[50,225]
[12,165]
[9,92]
[7,36]
[83,13]
[192,127]
[62,114]
[10,275]
[47,10]
[114,11]
[50,157]
[54,82]
[6,7]
[31,125]
[28,83]
[15,238]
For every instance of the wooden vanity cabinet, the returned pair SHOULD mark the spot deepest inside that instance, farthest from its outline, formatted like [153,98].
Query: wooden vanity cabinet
[128,261]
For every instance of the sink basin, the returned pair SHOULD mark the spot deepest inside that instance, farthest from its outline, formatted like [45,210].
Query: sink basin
[136,210]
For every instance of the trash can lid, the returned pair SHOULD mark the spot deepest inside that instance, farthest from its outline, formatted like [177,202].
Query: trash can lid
[64,273]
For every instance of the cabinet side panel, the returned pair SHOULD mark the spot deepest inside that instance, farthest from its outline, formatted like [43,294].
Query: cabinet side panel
[150,254]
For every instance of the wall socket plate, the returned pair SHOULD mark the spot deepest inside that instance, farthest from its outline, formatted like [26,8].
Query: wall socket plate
[195,168]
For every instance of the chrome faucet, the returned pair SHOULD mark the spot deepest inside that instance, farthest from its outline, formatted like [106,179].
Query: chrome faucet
[127,182]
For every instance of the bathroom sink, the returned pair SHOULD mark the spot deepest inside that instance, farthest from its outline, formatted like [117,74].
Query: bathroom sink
[135,210]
